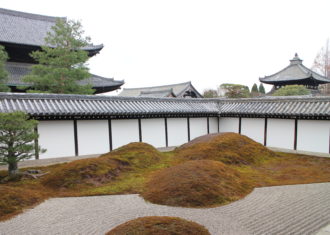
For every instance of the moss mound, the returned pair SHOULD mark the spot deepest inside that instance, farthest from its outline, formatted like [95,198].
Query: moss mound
[13,200]
[139,155]
[98,171]
[159,225]
[229,148]
[200,183]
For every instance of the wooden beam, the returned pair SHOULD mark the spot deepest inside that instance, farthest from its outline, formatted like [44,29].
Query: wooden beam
[36,144]
[140,130]
[110,134]
[295,134]
[188,125]
[239,125]
[265,132]
[75,130]
[166,132]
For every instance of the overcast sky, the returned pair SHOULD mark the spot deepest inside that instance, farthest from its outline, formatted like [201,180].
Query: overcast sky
[154,42]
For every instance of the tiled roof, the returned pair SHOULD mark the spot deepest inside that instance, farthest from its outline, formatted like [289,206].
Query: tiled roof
[28,29]
[82,106]
[295,106]
[294,72]
[53,105]
[18,70]
[178,90]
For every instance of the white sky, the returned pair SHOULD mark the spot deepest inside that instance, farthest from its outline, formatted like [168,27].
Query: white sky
[208,42]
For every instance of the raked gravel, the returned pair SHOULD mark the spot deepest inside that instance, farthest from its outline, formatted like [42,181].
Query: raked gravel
[296,209]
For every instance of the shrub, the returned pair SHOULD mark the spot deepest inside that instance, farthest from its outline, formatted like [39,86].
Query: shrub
[197,183]
[229,148]
[159,225]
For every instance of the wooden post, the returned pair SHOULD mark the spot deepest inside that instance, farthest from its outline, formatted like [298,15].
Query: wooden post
[110,134]
[166,132]
[140,130]
[36,144]
[208,125]
[75,130]
[188,124]
[265,132]
[239,125]
[295,134]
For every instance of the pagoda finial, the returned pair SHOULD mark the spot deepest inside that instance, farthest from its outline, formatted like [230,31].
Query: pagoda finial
[296,59]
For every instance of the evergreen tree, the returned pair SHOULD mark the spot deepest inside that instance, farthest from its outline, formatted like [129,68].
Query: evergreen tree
[262,89]
[254,88]
[3,72]
[210,93]
[62,62]
[291,90]
[235,90]
[17,137]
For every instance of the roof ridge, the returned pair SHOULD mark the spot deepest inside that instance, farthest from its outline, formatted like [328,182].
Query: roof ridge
[30,15]
[137,88]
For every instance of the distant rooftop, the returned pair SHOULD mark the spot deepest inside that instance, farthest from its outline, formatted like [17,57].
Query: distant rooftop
[28,29]
[179,90]
[295,74]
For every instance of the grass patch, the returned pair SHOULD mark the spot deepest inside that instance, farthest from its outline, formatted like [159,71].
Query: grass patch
[229,148]
[159,225]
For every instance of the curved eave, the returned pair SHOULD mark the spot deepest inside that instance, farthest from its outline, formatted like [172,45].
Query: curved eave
[311,79]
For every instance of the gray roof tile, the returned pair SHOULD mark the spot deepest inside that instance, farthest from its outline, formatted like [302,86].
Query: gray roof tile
[294,72]
[28,29]
[18,70]
[44,105]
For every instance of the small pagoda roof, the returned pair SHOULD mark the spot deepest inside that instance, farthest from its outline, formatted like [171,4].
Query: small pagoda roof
[18,70]
[178,90]
[295,73]
[21,28]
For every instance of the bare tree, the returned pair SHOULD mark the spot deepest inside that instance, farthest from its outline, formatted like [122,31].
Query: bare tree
[322,66]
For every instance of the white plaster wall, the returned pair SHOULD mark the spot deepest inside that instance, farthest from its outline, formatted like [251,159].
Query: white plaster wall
[280,133]
[57,137]
[198,127]
[153,132]
[93,136]
[253,128]
[177,130]
[228,124]
[313,135]
[124,132]
[213,125]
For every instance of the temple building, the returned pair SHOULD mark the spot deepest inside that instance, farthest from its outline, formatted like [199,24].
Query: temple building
[22,33]
[295,74]
[181,90]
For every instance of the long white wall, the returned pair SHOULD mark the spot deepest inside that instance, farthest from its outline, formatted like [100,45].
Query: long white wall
[254,128]
[280,133]
[313,135]
[177,129]
[213,125]
[228,124]
[93,136]
[124,132]
[153,131]
[57,137]
[198,127]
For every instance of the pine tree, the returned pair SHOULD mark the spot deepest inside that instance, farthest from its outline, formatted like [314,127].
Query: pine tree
[3,72]
[62,62]
[254,90]
[17,137]
[262,89]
